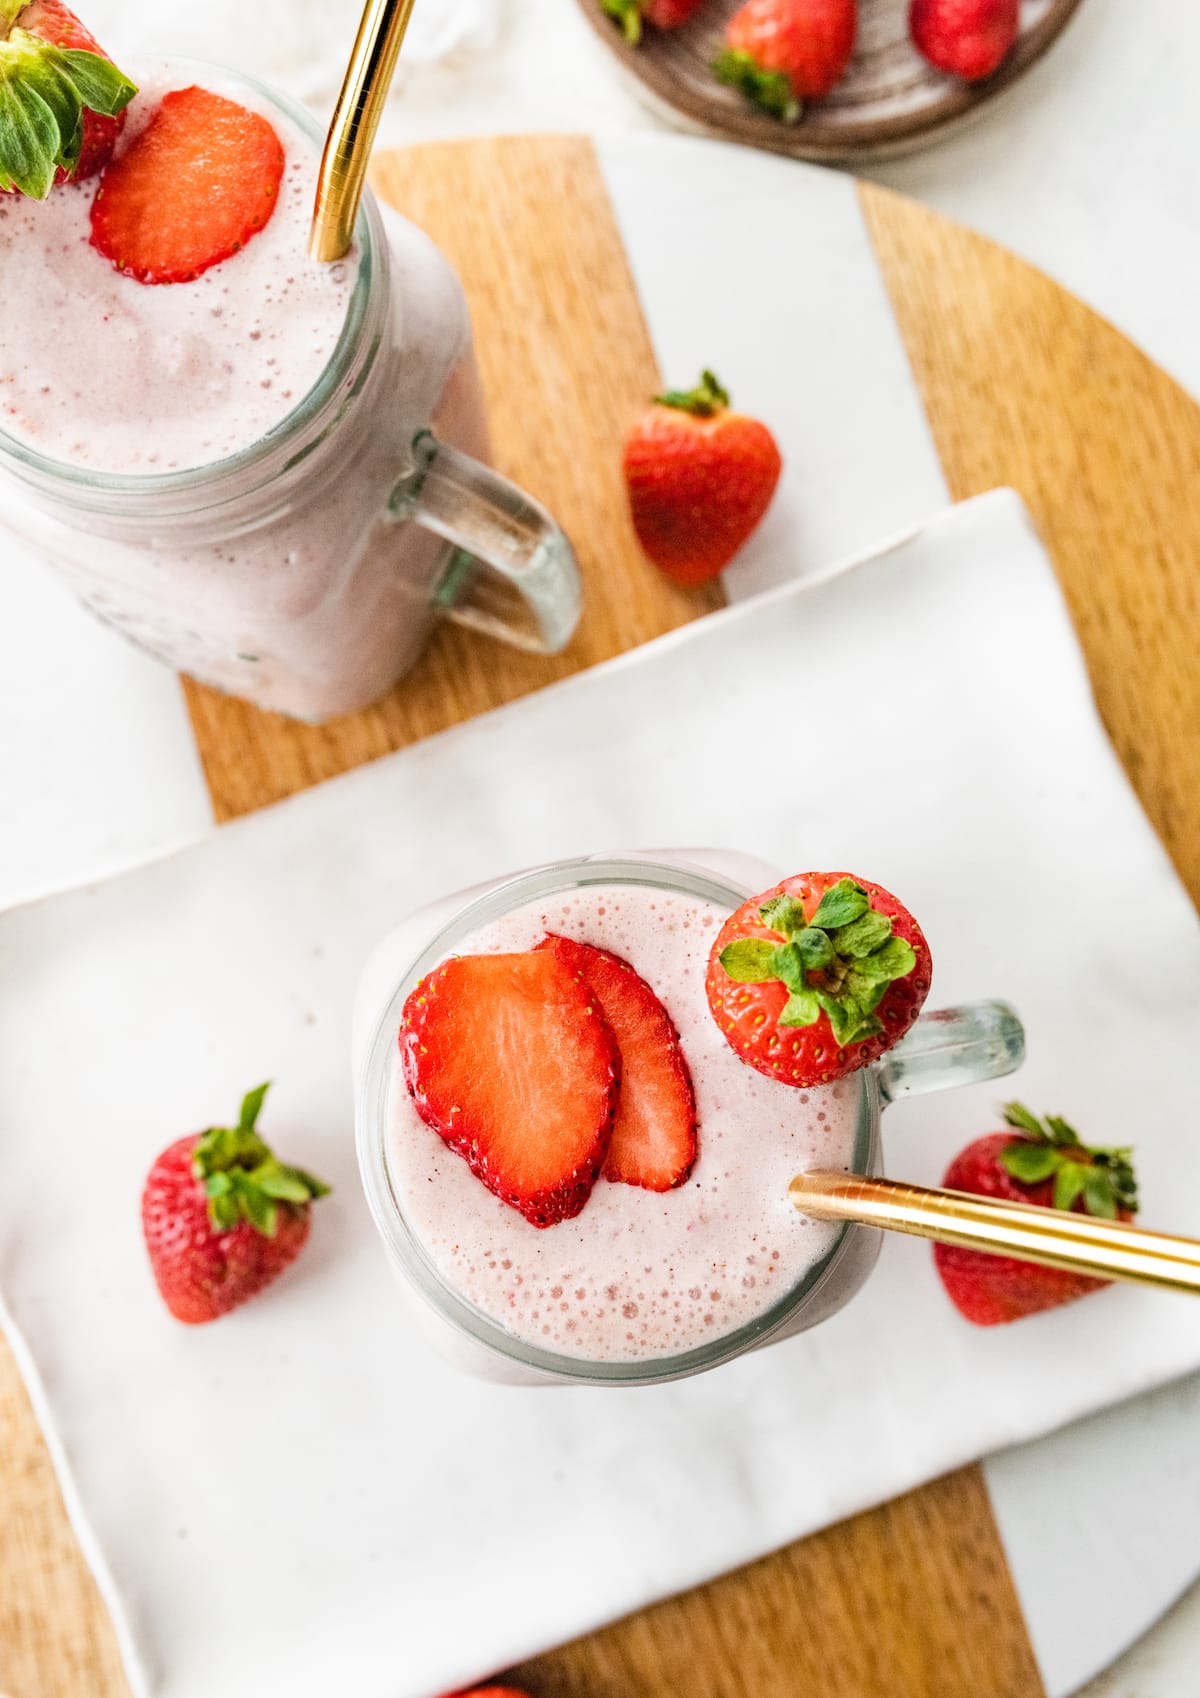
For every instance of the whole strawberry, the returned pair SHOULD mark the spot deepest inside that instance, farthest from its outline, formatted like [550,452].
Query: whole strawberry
[222,1217]
[700,478]
[1041,1162]
[817,977]
[968,38]
[62,100]
[663,14]
[781,53]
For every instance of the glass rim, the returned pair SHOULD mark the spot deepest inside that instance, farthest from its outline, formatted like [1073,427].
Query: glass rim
[372,1120]
[368,237]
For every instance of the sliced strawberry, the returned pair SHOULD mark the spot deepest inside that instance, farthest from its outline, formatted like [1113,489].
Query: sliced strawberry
[510,1060]
[654,1133]
[192,189]
[817,977]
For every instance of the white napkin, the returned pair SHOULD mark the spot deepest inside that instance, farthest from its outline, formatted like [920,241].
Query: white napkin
[303,1498]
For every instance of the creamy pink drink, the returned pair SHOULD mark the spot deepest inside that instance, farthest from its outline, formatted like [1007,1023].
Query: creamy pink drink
[213,464]
[483,1029]
[638,1274]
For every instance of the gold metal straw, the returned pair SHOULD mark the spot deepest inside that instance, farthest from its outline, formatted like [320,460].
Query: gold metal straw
[1081,1243]
[354,124]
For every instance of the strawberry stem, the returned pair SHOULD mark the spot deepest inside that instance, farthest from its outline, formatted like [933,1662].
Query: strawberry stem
[628,14]
[703,401]
[1103,1179]
[242,1178]
[840,963]
[769,90]
[44,92]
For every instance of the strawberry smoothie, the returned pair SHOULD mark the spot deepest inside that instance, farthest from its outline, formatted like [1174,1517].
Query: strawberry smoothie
[210,463]
[114,376]
[637,1275]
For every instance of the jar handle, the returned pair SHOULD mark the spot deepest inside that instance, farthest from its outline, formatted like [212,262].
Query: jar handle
[512,573]
[952,1046]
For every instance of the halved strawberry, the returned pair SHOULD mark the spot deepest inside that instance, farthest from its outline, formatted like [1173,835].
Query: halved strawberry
[817,977]
[510,1060]
[191,190]
[654,1133]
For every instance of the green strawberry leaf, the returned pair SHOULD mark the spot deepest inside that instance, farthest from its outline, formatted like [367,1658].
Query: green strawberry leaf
[1068,1184]
[784,914]
[98,83]
[841,963]
[841,904]
[243,1180]
[850,1022]
[802,1008]
[861,937]
[252,1106]
[1016,1114]
[30,141]
[770,90]
[749,960]
[1030,1163]
[1098,1193]
[894,960]
[702,402]
[1103,1177]
[44,91]
[1062,1134]
[628,14]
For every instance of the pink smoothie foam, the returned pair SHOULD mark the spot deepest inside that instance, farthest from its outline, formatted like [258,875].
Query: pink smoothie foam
[637,1274]
[107,373]
[300,594]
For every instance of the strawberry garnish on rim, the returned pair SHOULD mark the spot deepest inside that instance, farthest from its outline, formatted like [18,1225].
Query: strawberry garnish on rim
[654,1133]
[191,190]
[62,100]
[222,1216]
[510,1060]
[1043,1162]
[817,977]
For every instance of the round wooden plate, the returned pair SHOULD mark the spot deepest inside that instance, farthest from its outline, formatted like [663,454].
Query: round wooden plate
[890,100]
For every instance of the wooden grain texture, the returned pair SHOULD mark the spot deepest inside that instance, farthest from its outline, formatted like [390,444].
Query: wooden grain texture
[1022,384]
[890,100]
[566,362]
[912,1600]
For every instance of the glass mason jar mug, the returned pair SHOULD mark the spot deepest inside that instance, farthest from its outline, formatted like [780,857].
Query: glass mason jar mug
[305,571]
[945,1048]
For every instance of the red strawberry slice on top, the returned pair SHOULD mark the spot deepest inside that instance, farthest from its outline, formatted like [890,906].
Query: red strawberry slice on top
[509,1059]
[190,190]
[654,1134]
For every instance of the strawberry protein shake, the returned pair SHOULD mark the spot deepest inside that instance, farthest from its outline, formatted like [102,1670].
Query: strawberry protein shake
[232,452]
[212,363]
[637,1274]
[583,1093]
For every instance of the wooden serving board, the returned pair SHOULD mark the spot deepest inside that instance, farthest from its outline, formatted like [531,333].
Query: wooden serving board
[890,101]
[1022,385]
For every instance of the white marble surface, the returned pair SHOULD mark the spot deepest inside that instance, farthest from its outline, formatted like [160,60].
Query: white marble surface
[1090,168]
